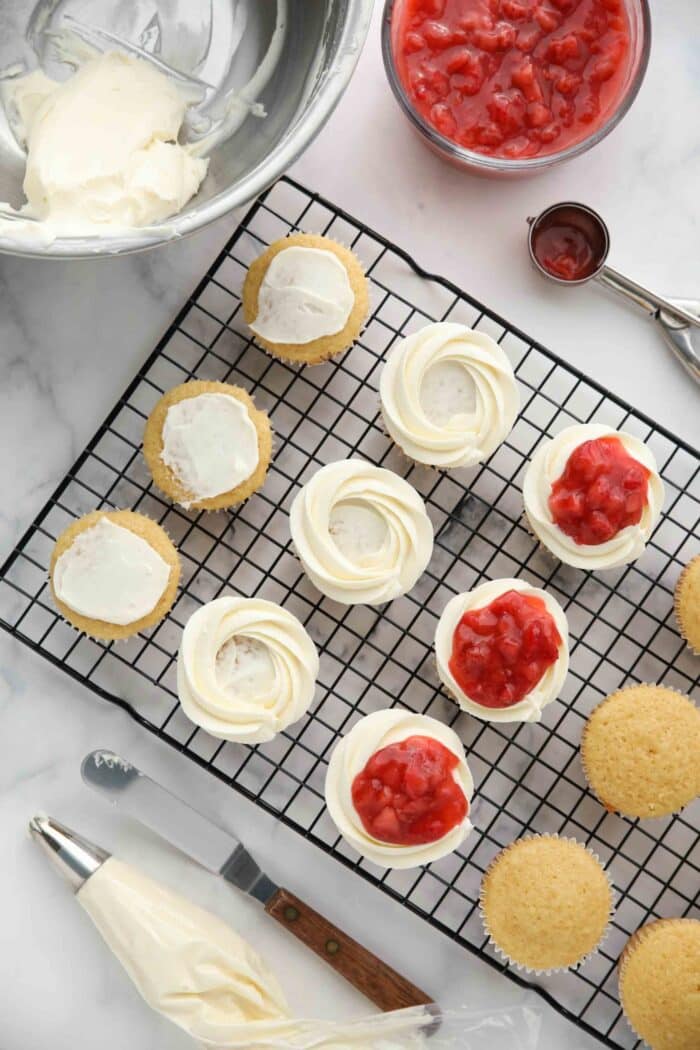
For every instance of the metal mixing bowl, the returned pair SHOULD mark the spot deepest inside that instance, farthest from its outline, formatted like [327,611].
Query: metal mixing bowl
[322,43]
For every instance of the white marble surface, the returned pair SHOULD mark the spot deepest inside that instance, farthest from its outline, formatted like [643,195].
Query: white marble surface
[71,335]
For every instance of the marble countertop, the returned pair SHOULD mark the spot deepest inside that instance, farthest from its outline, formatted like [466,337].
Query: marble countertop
[71,336]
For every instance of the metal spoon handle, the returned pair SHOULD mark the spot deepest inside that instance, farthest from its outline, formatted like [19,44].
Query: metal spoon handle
[649,301]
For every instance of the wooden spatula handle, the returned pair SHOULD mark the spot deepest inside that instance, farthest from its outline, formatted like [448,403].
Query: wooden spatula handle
[385,987]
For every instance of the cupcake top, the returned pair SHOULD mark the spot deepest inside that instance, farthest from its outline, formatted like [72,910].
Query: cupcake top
[641,751]
[502,650]
[246,669]
[398,788]
[593,496]
[449,396]
[546,902]
[659,983]
[687,603]
[361,532]
[113,573]
[207,445]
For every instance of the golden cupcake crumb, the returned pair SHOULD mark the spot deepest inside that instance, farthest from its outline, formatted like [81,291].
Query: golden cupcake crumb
[545,902]
[687,604]
[163,476]
[641,751]
[154,535]
[317,350]
[660,984]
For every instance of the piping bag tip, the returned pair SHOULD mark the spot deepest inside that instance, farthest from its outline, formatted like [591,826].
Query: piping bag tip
[75,857]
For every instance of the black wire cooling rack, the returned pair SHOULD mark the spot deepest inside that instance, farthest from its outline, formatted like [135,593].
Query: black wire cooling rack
[528,777]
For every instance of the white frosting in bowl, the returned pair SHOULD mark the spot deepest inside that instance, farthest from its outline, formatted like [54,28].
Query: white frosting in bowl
[529,709]
[109,573]
[351,755]
[449,395]
[361,532]
[304,295]
[547,466]
[210,443]
[246,669]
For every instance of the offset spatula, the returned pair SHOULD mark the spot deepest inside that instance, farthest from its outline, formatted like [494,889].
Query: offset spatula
[220,852]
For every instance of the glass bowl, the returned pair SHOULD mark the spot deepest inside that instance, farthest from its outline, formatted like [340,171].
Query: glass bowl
[639,18]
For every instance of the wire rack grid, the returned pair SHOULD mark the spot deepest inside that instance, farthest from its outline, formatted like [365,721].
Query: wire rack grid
[528,777]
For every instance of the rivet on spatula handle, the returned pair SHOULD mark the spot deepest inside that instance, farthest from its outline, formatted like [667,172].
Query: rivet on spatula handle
[386,988]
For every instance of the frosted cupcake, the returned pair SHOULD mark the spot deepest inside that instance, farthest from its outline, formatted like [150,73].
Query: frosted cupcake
[114,573]
[361,532]
[207,446]
[502,650]
[306,298]
[593,496]
[246,669]
[687,604]
[398,788]
[448,395]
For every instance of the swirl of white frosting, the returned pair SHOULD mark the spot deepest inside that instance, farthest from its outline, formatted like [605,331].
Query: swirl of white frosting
[449,395]
[547,466]
[351,755]
[246,669]
[361,532]
[529,709]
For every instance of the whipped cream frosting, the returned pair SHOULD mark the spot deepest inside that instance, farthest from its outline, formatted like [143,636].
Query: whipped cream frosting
[109,573]
[529,709]
[186,963]
[361,532]
[210,443]
[102,149]
[449,395]
[304,295]
[350,757]
[246,669]
[547,466]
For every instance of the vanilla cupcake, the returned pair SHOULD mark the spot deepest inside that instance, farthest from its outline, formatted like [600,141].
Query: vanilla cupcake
[114,573]
[640,751]
[398,789]
[593,496]
[659,973]
[687,604]
[306,298]
[546,903]
[502,650]
[207,446]
[448,395]
[361,532]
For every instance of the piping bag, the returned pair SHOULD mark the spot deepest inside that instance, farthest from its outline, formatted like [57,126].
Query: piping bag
[190,966]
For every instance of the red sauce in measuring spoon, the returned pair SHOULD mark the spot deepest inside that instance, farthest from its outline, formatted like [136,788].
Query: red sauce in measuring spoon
[512,78]
[569,242]
[407,794]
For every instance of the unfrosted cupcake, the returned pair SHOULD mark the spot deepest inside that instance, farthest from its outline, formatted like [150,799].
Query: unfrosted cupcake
[449,396]
[207,446]
[361,532]
[306,298]
[640,751]
[659,992]
[246,669]
[398,788]
[593,496]
[502,650]
[546,903]
[114,573]
[687,604]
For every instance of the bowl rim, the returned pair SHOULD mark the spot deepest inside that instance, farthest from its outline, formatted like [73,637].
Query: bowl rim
[503,165]
[324,98]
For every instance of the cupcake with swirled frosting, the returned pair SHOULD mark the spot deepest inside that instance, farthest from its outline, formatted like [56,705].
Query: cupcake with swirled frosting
[361,532]
[399,789]
[593,496]
[449,396]
[246,669]
[502,650]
